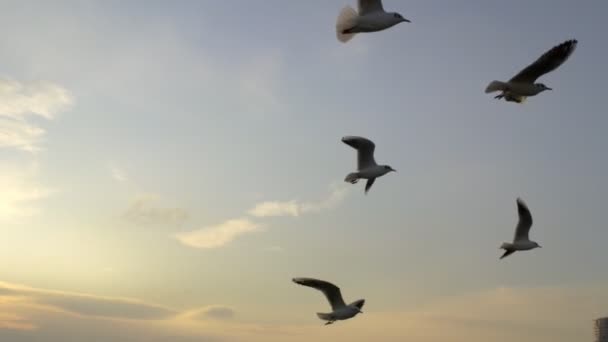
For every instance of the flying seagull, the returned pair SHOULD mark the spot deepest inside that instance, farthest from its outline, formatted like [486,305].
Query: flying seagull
[340,311]
[521,242]
[366,165]
[522,85]
[371,18]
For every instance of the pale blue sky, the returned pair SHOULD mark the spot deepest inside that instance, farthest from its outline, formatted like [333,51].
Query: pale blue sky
[214,107]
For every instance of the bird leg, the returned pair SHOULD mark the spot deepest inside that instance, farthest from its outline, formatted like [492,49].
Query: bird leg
[329,322]
[499,96]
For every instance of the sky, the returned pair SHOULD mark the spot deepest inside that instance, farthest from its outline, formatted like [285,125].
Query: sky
[169,167]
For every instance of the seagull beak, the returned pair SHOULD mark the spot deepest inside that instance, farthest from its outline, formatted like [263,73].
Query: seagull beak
[406,20]
[549,88]
[393,170]
[539,246]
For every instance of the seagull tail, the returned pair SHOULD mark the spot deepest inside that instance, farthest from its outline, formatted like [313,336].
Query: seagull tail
[346,20]
[324,316]
[496,86]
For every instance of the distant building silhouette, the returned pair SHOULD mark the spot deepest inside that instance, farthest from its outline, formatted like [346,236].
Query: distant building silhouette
[601,329]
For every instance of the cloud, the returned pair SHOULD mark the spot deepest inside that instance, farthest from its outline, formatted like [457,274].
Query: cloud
[87,305]
[20,191]
[218,236]
[117,173]
[32,314]
[18,101]
[17,133]
[270,209]
[216,312]
[15,322]
[145,210]
[336,196]
[294,208]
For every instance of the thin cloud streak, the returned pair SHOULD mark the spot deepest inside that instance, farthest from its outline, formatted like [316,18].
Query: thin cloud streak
[218,236]
[117,173]
[21,99]
[20,192]
[294,208]
[86,304]
[222,234]
[146,210]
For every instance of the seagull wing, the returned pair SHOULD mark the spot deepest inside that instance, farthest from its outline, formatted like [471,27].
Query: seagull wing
[546,63]
[331,291]
[370,6]
[365,151]
[525,221]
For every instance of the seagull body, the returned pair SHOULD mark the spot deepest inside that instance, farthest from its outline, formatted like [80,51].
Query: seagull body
[340,311]
[366,165]
[521,241]
[522,85]
[370,18]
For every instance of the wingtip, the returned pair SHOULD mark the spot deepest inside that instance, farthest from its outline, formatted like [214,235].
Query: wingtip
[569,44]
[350,137]
[299,280]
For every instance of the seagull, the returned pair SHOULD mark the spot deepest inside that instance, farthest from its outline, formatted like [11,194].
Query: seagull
[521,242]
[522,85]
[340,311]
[366,165]
[371,18]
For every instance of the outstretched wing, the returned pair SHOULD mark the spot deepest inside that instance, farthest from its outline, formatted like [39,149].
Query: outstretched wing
[525,221]
[365,151]
[331,291]
[548,62]
[370,6]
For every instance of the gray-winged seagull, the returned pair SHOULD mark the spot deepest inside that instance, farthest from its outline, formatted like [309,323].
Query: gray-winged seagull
[522,85]
[521,242]
[370,18]
[366,165]
[340,311]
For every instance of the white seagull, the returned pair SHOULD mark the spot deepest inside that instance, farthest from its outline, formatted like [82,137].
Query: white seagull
[366,165]
[521,242]
[340,311]
[371,18]
[522,85]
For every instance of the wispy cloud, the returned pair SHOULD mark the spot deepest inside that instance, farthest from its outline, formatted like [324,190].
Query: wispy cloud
[275,208]
[294,208]
[18,100]
[15,322]
[146,210]
[85,304]
[217,236]
[117,173]
[20,191]
[222,234]
[216,312]
[57,316]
